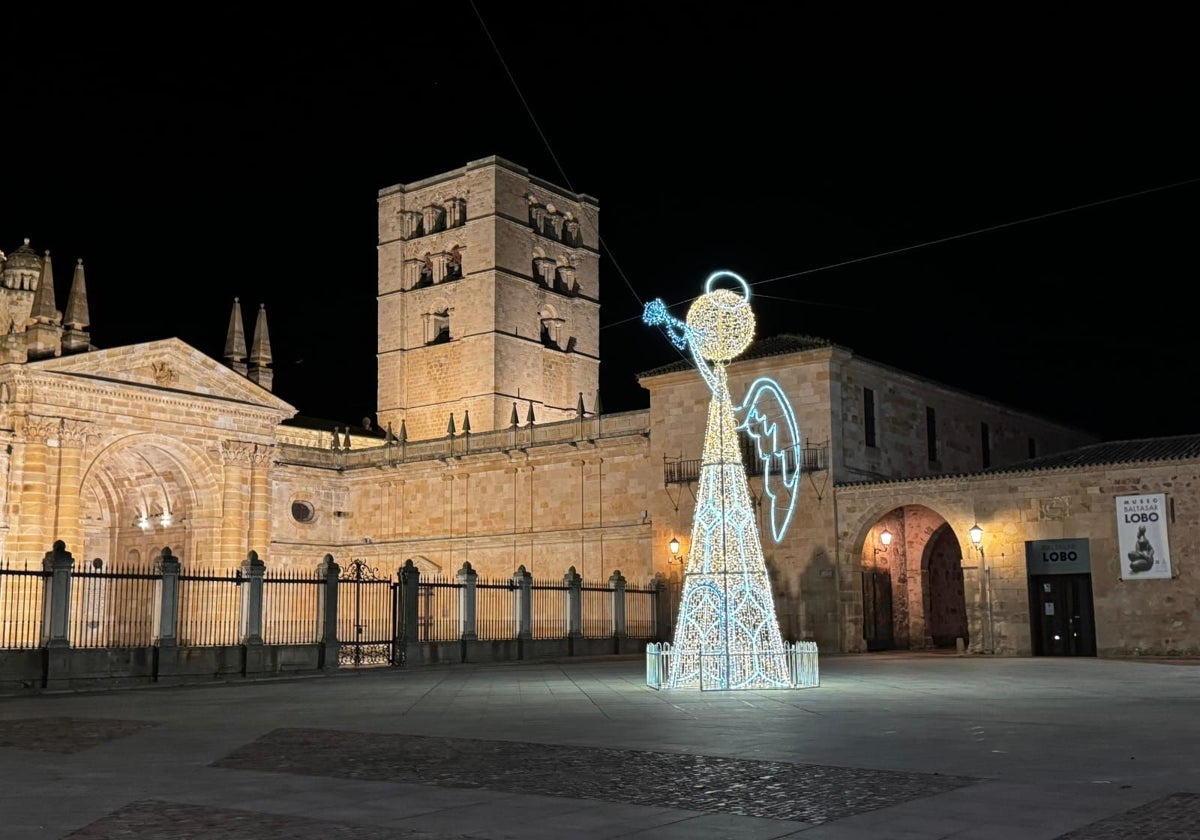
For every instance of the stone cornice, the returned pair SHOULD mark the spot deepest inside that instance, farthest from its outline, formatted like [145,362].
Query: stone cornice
[41,383]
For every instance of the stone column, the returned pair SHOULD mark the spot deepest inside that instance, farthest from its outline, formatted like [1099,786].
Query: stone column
[234,501]
[260,497]
[32,528]
[252,613]
[617,582]
[523,603]
[467,579]
[327,606]
[574,596]
[56,615]
[68,524]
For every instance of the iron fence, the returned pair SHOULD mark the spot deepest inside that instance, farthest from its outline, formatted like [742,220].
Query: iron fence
[641,612]
[549,617]
[292,607]
[114,608]
[438,618]
[495,613]
[21,606]
[596,606]
[209,608]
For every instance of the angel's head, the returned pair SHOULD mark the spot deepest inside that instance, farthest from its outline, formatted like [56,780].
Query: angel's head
[721,321]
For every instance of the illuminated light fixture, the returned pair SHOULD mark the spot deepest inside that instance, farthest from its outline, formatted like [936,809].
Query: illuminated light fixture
[727,634]
[976,538]
[144,522]
[167,519]
[885,537]
[676,558]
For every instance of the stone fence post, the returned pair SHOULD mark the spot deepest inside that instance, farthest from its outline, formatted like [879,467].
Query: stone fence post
[467,579]
[411,607]
[523,603]
[617,582]
[327,612]
[167,608]
[252,599]
[252,614]
[574,597]
[662,609]
[56,598]
[56,615]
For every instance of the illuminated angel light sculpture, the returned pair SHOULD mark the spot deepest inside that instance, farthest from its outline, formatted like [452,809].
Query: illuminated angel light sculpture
[727,635]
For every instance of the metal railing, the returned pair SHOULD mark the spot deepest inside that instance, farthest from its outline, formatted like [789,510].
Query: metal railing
[292,607]
[21,607]
[210,607]
[438,614]
[113,608]
[495,610]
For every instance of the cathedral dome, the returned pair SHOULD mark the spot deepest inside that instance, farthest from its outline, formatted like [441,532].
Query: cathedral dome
[25,258]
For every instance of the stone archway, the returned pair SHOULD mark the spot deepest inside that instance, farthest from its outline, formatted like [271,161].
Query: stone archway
[911,581]
[145,492]
[944,596]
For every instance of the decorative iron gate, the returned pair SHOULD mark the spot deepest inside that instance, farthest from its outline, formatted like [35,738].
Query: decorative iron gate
[368,617]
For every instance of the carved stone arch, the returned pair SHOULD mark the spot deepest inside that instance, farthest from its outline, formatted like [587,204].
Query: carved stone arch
[145,491]
[921,528]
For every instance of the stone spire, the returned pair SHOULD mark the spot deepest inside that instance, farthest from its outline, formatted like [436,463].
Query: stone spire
[260,351]
[44,334]
[235,340]
[77,319]
[44,310]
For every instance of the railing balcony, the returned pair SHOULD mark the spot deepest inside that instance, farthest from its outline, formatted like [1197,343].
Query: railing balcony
[813,459]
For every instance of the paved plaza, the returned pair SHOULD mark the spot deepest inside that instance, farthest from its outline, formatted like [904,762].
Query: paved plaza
[898,745]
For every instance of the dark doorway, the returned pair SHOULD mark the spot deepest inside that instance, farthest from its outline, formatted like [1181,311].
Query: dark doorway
[946,611]
[877,610]
[1061,616]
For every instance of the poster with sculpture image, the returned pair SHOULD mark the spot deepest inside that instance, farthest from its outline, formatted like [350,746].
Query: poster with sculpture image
[1142,536]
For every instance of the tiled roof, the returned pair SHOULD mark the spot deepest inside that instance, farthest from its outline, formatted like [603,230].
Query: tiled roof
[1140,451]
[775,345]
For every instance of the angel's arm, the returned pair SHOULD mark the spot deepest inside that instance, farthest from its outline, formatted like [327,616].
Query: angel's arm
[682,336]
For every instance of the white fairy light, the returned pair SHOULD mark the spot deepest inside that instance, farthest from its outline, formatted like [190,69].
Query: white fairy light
[727,635]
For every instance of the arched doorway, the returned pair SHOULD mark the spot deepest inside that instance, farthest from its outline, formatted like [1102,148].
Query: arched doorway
[912,582]
[146,492]
[946,615]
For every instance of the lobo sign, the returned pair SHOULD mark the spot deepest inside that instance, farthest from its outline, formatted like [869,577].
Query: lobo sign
[1142,536]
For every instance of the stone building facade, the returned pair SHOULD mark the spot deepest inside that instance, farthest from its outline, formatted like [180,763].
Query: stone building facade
[488,450]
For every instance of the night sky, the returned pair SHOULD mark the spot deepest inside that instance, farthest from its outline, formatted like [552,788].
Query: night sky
[192,160]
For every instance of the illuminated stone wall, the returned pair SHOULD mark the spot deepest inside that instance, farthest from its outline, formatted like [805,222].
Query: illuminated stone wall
[546,507]
[1149,617]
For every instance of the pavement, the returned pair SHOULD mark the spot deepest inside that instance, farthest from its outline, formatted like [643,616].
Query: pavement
[893,745]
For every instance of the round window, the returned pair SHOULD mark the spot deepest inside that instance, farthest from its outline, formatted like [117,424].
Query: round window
[303,511]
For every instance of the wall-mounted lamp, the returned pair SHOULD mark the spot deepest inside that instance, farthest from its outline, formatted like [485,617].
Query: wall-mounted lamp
[977,538]
[885,537]
[676,558]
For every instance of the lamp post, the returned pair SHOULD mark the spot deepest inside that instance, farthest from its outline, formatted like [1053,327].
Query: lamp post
[985,580]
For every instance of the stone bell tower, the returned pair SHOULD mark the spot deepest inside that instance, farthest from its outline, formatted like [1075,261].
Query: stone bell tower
[488,295]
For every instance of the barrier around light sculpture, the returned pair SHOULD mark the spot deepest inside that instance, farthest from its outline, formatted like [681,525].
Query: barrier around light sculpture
[727,634]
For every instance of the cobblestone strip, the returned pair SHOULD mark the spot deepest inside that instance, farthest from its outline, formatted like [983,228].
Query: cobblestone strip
[65,734]
[1174,817]
[810,793]
[154,820]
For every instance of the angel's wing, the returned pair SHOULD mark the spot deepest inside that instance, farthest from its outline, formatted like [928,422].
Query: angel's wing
[770,421]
